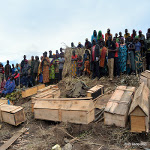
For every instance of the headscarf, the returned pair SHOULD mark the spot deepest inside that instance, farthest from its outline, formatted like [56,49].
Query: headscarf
[100,37]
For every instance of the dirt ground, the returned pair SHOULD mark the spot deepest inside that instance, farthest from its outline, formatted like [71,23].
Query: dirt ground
[43,135]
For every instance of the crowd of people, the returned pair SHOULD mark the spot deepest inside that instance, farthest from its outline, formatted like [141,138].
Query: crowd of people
[48,70]
[103,56]
[113,56]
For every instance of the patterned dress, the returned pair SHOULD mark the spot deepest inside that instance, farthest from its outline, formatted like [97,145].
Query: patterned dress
[122,55]
[52,70]
[74,66]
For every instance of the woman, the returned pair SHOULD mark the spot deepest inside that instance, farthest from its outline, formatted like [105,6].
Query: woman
[56,64]
[44,68]
[2,84]
[1,72]
[138,59]
[74,63]
[122,55]
[52,69]
[86,62]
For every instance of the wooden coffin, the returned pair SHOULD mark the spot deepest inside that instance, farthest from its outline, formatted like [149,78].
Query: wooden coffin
[13,115]
[31,91]
[47,88]
[51,93]
[74,111]
[139,110]
[145,77]
[95,91]
[116,111]
[40,86]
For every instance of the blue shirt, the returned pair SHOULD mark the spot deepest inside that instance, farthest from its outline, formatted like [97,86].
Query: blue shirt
[137,46]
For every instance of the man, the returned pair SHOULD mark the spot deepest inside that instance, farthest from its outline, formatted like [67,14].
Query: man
[148,49]
[13,69]
[111,53]
[107,35]
[120,35]
[35,69]
[50,54]
[61,51]
[133,34]
[72,45]
[7,70]
[87,44]
[31,71]
[141,36]
[126,35]
[95,54]
[23,62]
[17,68]
[80,45]
[94,36]
[61,64]
[9,87]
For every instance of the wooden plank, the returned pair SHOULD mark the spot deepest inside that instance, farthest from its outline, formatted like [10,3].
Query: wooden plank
[6,145]
[138,124]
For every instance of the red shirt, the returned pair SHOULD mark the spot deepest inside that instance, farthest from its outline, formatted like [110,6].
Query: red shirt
[74,57]
[93,53]
[116,53]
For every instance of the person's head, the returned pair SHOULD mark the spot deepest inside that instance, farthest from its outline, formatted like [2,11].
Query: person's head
[120,33]
[126,31]
[72,44]
[94,42]
[86,52]
[108,31]
[24,57]
[73,53]
[122,40]
[17,65]
[79,43]
[11,77]
[114,40]
[116,35]
[45,54]
[12,65]
[140,32]
[7,62]
[100,33]
[36,57]
[86,40]
[32,58]
[61,49]
[95,33]
[134,32]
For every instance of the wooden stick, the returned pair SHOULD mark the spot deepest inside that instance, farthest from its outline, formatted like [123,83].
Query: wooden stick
[13,139]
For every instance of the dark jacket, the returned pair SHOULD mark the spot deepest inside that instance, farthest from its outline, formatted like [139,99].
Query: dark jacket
[97,52]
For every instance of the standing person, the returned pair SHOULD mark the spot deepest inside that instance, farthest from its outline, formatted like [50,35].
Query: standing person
[32,67]
[7,70]
[3,83]
[100,37]
[131,57]
[40,74]
[16,77]
[148,49]
[79,66]
[74,63]
[120,35]
[122,54]
[17,68]
[61,52]
[80,45]
[50,54]
[103,60]
[126,35]
[1,72]
[13,69]
[86,62]
[111,53]
[116,37]
[107,35]
[35,69]
[56,65]
[87,44]
[133,34]
[23,62]
[138,59]
[72,45]
[95,54]
[44,68]
[61,64]
[141,36]
[116,60]
[52,69]
[94,36]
